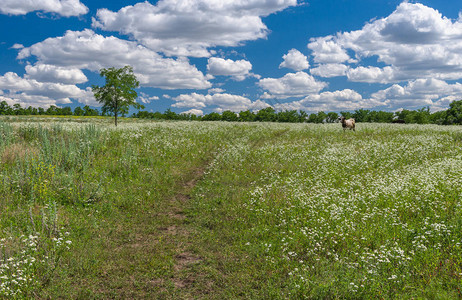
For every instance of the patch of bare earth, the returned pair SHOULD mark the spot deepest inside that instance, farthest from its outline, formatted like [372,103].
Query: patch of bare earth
[180,233]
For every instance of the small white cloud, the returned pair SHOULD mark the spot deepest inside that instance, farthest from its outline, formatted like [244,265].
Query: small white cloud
[238,70]
[266,95]
[145,98]
[295,60]
[190,100]
[292,85]
[372,74]
[17,46]
[327,50]
[330,70]
[257,105]
[66,8]
[50,73]
[216,90]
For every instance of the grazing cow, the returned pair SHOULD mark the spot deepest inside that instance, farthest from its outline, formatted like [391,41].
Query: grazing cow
[347,124]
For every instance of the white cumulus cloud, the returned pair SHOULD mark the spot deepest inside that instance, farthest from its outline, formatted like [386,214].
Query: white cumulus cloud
[292,85]
[330,70]
[295,60]
[238,70]
[414,42]
[219,102]
[327,50]
[189,28]
[32,92]
[88,50]
[330,101]
[51,73]
[419,93]
[66,8]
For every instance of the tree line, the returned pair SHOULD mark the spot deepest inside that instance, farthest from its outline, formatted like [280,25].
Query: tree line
[453,115]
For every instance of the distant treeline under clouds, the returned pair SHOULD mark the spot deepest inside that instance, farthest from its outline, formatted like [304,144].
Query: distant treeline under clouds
[451,116]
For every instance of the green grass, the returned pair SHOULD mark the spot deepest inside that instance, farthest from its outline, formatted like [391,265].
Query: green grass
[176,210]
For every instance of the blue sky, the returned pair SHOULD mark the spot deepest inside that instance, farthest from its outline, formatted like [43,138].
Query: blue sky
[201,56]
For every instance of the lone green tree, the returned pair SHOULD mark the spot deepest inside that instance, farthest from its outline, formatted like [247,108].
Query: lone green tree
[118,94]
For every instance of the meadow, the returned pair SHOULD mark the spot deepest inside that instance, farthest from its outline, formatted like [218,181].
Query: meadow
[227,210]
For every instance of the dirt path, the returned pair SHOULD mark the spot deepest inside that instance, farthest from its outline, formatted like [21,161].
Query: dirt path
[179,234]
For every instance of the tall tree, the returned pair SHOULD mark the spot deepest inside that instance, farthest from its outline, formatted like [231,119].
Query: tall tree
[118,94]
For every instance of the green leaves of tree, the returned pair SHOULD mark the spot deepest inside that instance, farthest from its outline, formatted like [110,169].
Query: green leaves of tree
[118,94]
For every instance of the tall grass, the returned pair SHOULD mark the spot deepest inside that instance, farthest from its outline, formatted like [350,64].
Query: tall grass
[281,210]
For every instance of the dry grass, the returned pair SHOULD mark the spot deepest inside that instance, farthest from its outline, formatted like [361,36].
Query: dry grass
[17,152]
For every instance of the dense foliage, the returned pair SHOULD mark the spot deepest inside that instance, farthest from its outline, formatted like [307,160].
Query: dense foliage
[118,93]
[451,116]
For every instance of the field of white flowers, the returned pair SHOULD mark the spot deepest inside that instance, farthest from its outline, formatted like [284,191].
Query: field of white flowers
[376,213]
[275,211]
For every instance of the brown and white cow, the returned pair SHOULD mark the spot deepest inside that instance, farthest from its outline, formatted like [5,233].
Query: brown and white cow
[347,124]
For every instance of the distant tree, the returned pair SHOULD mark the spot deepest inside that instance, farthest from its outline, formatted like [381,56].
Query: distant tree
[31,111]
[332,117]
[78,111]
[229,116]
[312,118]
[321,117]
[246,116]
[454,113]
[438,117]
[405,115]
[288,116]
[362,115]
[52,110]
[266,115]
[158,115]
[5,109]
[66,111]
[302,116]
[18,110]
[381,116]
[144,115]
[213,116]
[88,111]
[346,114]
[170,115]
[118,94]
[422,115]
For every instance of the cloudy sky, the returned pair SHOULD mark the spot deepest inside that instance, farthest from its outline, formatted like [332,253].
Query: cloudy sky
[213,55]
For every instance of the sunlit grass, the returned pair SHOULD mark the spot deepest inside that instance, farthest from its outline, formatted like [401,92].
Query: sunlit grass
[281,211]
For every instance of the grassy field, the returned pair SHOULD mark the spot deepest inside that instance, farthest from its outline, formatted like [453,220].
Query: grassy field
[215,210]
